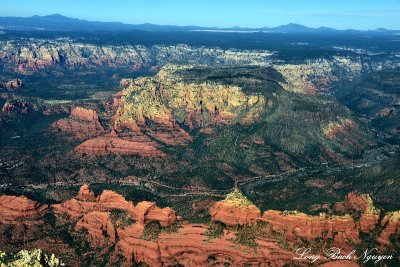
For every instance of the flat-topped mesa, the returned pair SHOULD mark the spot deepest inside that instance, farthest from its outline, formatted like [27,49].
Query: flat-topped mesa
[111,144]
[236,209]
[13,208]
[83,123]
[197,101]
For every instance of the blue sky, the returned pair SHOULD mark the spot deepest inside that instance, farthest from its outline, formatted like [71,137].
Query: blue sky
[341,14]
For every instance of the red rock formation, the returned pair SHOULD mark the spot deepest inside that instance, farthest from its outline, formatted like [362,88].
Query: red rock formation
[97,223]
[231,214]
[110,144]
[83,123]
[190,245]
[167,131]
[85,194]
[343,127]
[13,208]
[84,114]
[148,212]
[74,208]
[296,226]
[109,200]
[144,212]
[361,205]
[391,228]
[21,219]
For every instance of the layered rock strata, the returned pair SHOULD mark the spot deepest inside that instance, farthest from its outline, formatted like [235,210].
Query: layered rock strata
[83,123]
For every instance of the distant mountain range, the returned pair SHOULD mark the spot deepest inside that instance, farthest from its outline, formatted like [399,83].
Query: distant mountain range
[57,22]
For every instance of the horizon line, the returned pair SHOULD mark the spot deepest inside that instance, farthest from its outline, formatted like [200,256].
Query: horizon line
[193,25]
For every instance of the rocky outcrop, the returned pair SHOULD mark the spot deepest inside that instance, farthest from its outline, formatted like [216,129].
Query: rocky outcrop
[295,226]
[13,84]
[391,229]
[152,235]
[13,208]
[190,246]
[85,193]
[109,201]
[99,226]
[83,123]
[197,104]
[110,144]
[236,209]
[147,212]
[21,219]
[125,82]
[84,114]
[362,207]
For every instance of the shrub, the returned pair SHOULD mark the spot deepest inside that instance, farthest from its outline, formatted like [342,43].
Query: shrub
[121,218]
[151,231]
[216,230]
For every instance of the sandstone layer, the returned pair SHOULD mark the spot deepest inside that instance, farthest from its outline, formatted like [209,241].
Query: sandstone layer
[83,123]
[156,236]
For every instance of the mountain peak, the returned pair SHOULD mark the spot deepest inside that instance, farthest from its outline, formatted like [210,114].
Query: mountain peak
[56,16]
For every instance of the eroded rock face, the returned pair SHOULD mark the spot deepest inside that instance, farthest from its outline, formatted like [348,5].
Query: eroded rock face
[236,209]
[230,214]
[98,224]
[83,123]
[363,207]
[190,246]
[147,212]
[41,53]
[85,193]
[110,221]
[21,219]
[13,208]
[391,225]
[110,144]
[296,226]
[108,201]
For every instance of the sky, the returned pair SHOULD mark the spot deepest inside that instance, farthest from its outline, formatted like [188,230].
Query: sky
[339,14]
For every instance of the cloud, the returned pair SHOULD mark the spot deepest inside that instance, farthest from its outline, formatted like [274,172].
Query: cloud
[368,13]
